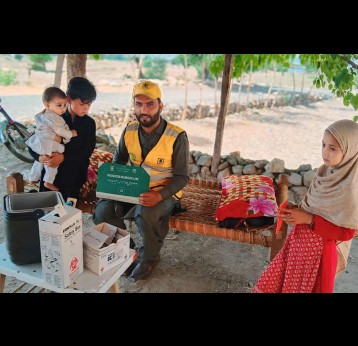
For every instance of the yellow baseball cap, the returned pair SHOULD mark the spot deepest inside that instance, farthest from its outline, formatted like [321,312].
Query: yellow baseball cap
[148,88]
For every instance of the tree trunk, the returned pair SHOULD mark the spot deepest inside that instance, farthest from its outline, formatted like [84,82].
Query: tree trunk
[185,109]
[140,65]
[249,85]
[270,89]
[136,63]
[293,98]
[132,67]
[310,91]
[303,80]
[293,80]
[201,85]
[238,96]
[215,96]
[225,97]
[58,72]
[76,65]
[200,100]
[268,96]
[278,92]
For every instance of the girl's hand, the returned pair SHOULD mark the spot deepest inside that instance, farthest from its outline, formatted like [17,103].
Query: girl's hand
[295,216]
[287,205]
[292,205]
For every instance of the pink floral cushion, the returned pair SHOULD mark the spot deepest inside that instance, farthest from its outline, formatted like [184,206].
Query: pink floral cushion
[246,196]
[88,191]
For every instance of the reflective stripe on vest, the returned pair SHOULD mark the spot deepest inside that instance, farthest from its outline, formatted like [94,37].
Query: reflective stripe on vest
[158,162]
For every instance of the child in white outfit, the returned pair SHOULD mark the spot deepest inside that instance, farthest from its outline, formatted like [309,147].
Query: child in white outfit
[51,128]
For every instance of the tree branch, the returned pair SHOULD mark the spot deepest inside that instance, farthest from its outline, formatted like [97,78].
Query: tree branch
[350,62]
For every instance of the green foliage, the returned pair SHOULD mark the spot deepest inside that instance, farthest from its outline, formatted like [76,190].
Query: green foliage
[155,68]
[8,77]
[278,66]
[338,72]
[310,68]
[216,65]
[18,57]
[178,60]
[95,56]
[355,118]
[200,62]
[196,60]
[115,57]
[147,62]
[244,62]
[38,61]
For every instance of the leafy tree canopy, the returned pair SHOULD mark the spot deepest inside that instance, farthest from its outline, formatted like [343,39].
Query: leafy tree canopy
[337,71]
[38,61]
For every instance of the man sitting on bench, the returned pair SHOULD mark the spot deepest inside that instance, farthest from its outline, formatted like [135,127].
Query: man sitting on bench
[163,150]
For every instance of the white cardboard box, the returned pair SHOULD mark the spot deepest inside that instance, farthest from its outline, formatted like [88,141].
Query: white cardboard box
[100,260]
[61,246]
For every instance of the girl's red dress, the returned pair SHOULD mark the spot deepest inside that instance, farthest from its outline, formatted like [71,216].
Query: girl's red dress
[307,261]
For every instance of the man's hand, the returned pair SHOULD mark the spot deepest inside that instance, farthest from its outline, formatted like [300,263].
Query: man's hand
[44,158]
[55,160]
[150,198]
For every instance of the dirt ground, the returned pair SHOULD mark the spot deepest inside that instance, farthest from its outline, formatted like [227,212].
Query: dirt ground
[200,264]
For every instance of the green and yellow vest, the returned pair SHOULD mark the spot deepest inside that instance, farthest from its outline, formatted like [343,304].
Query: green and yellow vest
[158,162]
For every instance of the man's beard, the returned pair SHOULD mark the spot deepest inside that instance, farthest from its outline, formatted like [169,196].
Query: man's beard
[154,119]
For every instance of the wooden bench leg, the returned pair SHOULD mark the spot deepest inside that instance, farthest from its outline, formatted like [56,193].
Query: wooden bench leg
[114,288]
[2,282]
[278,240]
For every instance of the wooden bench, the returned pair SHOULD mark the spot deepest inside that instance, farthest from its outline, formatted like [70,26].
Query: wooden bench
[201,199]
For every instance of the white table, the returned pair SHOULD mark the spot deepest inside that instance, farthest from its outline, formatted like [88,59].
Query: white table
[87,282]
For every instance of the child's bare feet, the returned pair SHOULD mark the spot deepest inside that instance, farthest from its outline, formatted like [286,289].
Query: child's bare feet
[51,186]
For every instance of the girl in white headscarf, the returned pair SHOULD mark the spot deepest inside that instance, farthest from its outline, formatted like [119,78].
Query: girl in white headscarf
[327,216]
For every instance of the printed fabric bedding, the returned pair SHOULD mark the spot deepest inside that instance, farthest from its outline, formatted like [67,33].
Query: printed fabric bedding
[246,200]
